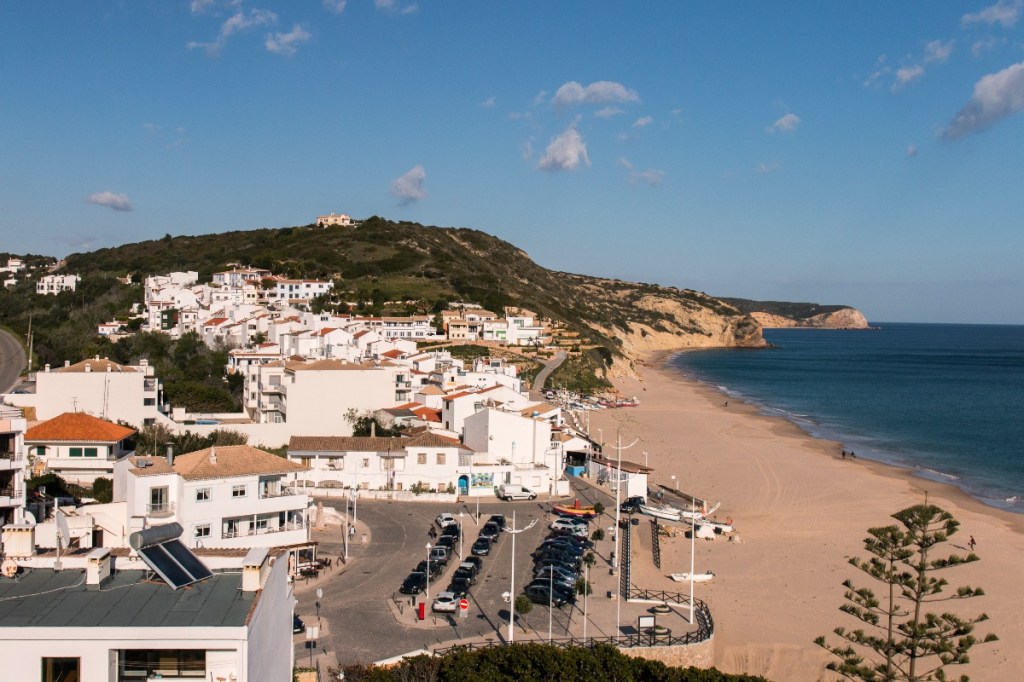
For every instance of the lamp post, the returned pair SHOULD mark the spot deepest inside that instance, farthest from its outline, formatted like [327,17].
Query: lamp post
[319,596]
[586,591]
[461,535]
[551,599]
[618,529]
[645,459]
[426,594]
[693,537]
[512,582]
[674,483]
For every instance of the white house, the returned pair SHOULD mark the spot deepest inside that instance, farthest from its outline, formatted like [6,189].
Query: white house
[340,219]
[77,447]
[100,387]
[95,620]
[55,284]
[524,443]
[226,496]
[374,463]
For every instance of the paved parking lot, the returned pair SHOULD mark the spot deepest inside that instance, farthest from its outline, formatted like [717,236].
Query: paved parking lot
[367,619]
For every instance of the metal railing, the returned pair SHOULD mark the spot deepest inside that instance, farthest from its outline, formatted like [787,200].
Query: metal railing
[655,543]
[625,561]
[160,509]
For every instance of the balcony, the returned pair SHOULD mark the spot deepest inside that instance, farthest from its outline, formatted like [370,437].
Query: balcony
[160,509]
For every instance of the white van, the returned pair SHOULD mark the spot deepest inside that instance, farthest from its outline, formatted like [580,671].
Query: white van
[515,492]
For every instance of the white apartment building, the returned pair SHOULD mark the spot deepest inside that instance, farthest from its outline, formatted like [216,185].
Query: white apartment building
[226,496]
[100,387]
[298,290]
[372,463]
[522,442]
[239,276]
[95,620]
[12,464]
[55,284]
[77,447]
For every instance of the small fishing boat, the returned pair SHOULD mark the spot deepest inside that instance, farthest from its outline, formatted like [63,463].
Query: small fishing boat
[697,577]
[665,513]
[575,510]
[718,526]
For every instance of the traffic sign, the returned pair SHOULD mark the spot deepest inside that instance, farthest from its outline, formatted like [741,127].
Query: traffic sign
[464,604]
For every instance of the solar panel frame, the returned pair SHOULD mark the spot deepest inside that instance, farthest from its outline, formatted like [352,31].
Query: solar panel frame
[175,563]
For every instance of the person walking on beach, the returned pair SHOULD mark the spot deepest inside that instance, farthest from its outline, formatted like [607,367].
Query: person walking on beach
[971,543]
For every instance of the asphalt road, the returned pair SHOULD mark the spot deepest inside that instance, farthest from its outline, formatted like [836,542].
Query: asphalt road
[12,361]
[365,628]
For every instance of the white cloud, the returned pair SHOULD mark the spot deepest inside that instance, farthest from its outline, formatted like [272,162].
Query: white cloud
[392,6]
[643,122]
[767,167]
[881,69]
[526,149]
[786,124]
[911,150]
[601,92]
[335,6]
[285,43]
[650,176]
[409,187]
[995,97]
[1004,13]
[200,6]
[118,202]
[539,99]
[608,112]
[987,44]
[907,75]
[937,52]
[489,102]
[237,23]
[565,152]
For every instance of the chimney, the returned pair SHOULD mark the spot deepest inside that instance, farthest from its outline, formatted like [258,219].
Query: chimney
[97,567]
[88,367]
[67,363]
[213,454]
[255,568]
[46,368]
[373,429]
[170,454]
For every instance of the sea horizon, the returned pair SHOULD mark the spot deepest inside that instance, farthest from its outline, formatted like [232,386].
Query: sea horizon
[940,399]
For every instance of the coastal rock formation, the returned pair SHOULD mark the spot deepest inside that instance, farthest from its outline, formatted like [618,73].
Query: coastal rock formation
[844,318]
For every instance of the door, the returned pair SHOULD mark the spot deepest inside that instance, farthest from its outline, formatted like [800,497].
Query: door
[463,485]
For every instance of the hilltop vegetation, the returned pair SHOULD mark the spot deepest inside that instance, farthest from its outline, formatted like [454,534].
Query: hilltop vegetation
[382,267]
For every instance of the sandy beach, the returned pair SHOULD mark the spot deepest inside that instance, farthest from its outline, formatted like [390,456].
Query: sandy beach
[801,511]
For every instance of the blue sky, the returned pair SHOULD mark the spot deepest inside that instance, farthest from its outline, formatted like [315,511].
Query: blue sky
[870,154]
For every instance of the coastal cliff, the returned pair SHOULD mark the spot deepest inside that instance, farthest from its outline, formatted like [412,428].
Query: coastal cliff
[844,318]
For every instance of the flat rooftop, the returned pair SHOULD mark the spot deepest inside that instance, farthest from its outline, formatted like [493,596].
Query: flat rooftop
[42,597]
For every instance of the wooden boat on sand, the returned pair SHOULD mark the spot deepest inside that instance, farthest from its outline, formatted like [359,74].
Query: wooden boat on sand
[575,510]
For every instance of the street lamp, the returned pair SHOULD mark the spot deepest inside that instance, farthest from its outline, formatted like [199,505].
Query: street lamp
[427,593]
[319,596]
[674,482]
[645,459]
[586,590]
[551,598]
[512,585]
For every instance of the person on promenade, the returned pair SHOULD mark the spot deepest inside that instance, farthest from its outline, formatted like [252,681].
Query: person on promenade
[971,543]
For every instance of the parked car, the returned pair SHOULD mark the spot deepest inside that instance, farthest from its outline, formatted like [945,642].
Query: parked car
[540,593]
[565,544]
[460,585]
[580,532]
[444,520]
[631,505]
[559,572]
[453,530]
[490,531]
[571,540]
[498,520]
[482,547]
[414,584]
[421,567]
[447,541]
[440,555]
[471,564]
[562,581]
[567,524]
[567,559]
[541,563]
[446,602]
[466,573]
[298,627]
[515,492]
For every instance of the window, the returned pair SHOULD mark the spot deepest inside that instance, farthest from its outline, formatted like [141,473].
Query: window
[74,452]
[261,524]
[90,452]
[421,458]
[365,463]
[202,530]
[203,495]
[142,664]
[238,491]
[55,669]
[158,502]
[40,451]
[440,458]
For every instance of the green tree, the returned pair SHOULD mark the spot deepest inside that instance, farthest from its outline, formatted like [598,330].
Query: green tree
[907,642]
[103,490]
[523,607]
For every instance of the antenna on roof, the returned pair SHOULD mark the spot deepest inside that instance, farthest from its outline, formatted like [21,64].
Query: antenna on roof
[63,536]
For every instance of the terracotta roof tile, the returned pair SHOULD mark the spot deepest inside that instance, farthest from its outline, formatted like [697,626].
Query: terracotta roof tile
[96,365]
[78,427]
[227,461]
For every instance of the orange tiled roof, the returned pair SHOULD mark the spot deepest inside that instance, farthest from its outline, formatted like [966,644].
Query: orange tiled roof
[229,461]
[78,427]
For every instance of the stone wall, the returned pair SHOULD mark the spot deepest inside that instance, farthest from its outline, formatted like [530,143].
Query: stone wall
[697,655]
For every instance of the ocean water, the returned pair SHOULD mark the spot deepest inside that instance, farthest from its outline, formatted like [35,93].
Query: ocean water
[944,400]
